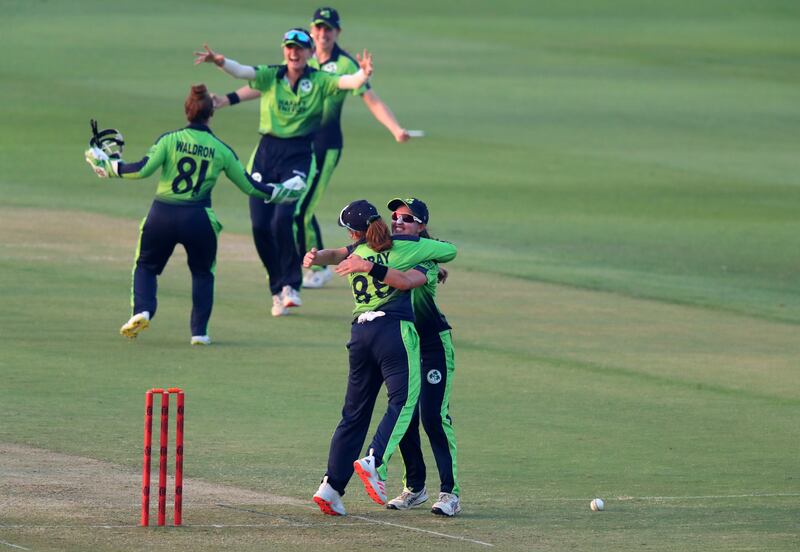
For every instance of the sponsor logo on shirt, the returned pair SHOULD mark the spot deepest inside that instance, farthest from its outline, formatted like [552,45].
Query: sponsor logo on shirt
[287,106]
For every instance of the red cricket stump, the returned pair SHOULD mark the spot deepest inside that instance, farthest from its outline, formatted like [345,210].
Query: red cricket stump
[179,460]
[162,461]
[148,441]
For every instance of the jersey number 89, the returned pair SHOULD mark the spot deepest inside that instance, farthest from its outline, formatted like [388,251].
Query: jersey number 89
[361,287]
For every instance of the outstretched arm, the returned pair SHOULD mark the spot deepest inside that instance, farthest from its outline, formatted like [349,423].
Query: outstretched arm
[243,94]
[233,68]
[384,115]
[397,279]
[324,257]
[360,77]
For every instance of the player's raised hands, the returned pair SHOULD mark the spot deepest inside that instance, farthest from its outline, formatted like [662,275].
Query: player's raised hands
[365,62]
[208,56]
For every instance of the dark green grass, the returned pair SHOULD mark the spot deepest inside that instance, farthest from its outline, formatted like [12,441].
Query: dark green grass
[646,150]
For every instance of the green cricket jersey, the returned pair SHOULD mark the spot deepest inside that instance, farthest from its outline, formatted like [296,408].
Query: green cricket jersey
[191,160]
[288,112]
[407,252]
[329,136]
[429,320]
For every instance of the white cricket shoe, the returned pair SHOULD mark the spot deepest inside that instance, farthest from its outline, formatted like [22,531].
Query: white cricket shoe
[375,487]
[200,340]
[329,500]
[315,279]
[447,505]
[291,297]
[135,325]
[408,499]
[277,306]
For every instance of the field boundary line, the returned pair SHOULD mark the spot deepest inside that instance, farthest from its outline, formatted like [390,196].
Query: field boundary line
[12,545]
[455,537]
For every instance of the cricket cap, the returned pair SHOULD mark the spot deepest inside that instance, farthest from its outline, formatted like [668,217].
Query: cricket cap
[326,16]
[416,206]
[358,215]
[297,37]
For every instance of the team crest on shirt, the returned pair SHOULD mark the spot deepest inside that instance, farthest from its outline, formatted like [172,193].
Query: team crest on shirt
[256,176]
[330,67]
[434,377]
[306,86]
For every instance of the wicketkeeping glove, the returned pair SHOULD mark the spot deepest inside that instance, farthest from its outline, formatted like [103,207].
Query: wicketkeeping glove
[288,191]
[100,163]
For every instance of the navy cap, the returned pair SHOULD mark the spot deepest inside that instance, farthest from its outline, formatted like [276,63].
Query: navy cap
[416,206]
[326,16]
[357,215]
[298,37]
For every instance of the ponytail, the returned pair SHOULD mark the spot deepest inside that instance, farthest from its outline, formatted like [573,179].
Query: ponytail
[378,235]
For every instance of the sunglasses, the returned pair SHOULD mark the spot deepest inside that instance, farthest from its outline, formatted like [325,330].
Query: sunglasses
[408,219]
[298,36]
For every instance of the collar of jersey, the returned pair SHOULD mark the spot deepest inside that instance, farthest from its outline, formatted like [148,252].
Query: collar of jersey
[404,237]
[335,53]
[198,126]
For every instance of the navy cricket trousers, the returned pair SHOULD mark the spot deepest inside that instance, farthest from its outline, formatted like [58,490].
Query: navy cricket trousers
[166,225]
[277,160]
[385,350]
[438,366]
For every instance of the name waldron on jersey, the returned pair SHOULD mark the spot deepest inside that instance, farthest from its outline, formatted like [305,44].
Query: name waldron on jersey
[194,149]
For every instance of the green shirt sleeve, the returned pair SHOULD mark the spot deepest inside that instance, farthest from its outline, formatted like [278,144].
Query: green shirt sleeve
[154,159]
[432,250]
[265,77]
[236,173]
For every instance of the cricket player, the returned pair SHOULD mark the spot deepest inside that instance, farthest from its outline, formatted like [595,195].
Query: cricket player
[410,218]
[292,98]
[191,159]
[383,347]
[328,141]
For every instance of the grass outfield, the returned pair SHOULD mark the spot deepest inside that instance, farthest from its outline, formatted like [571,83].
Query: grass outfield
[621,182]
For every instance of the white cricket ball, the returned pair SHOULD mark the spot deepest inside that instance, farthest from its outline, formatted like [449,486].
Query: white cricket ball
[597,504]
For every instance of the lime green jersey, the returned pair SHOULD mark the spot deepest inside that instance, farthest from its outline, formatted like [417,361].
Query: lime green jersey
[288,112]
[428,319]
[407,252]
[191,160]
[339,63]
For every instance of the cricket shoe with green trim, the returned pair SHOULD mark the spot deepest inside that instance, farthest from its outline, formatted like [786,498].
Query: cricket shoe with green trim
[135,325]
[408,499]
[375,487]
[329,500]
[447,505]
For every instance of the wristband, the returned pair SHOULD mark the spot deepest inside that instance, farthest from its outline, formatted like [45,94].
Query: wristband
[378,271]
[233,98]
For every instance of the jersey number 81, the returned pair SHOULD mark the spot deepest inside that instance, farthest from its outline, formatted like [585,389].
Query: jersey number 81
[186,168]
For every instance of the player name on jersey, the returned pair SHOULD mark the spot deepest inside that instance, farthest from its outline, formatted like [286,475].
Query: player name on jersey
[194,149]
[379,258]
